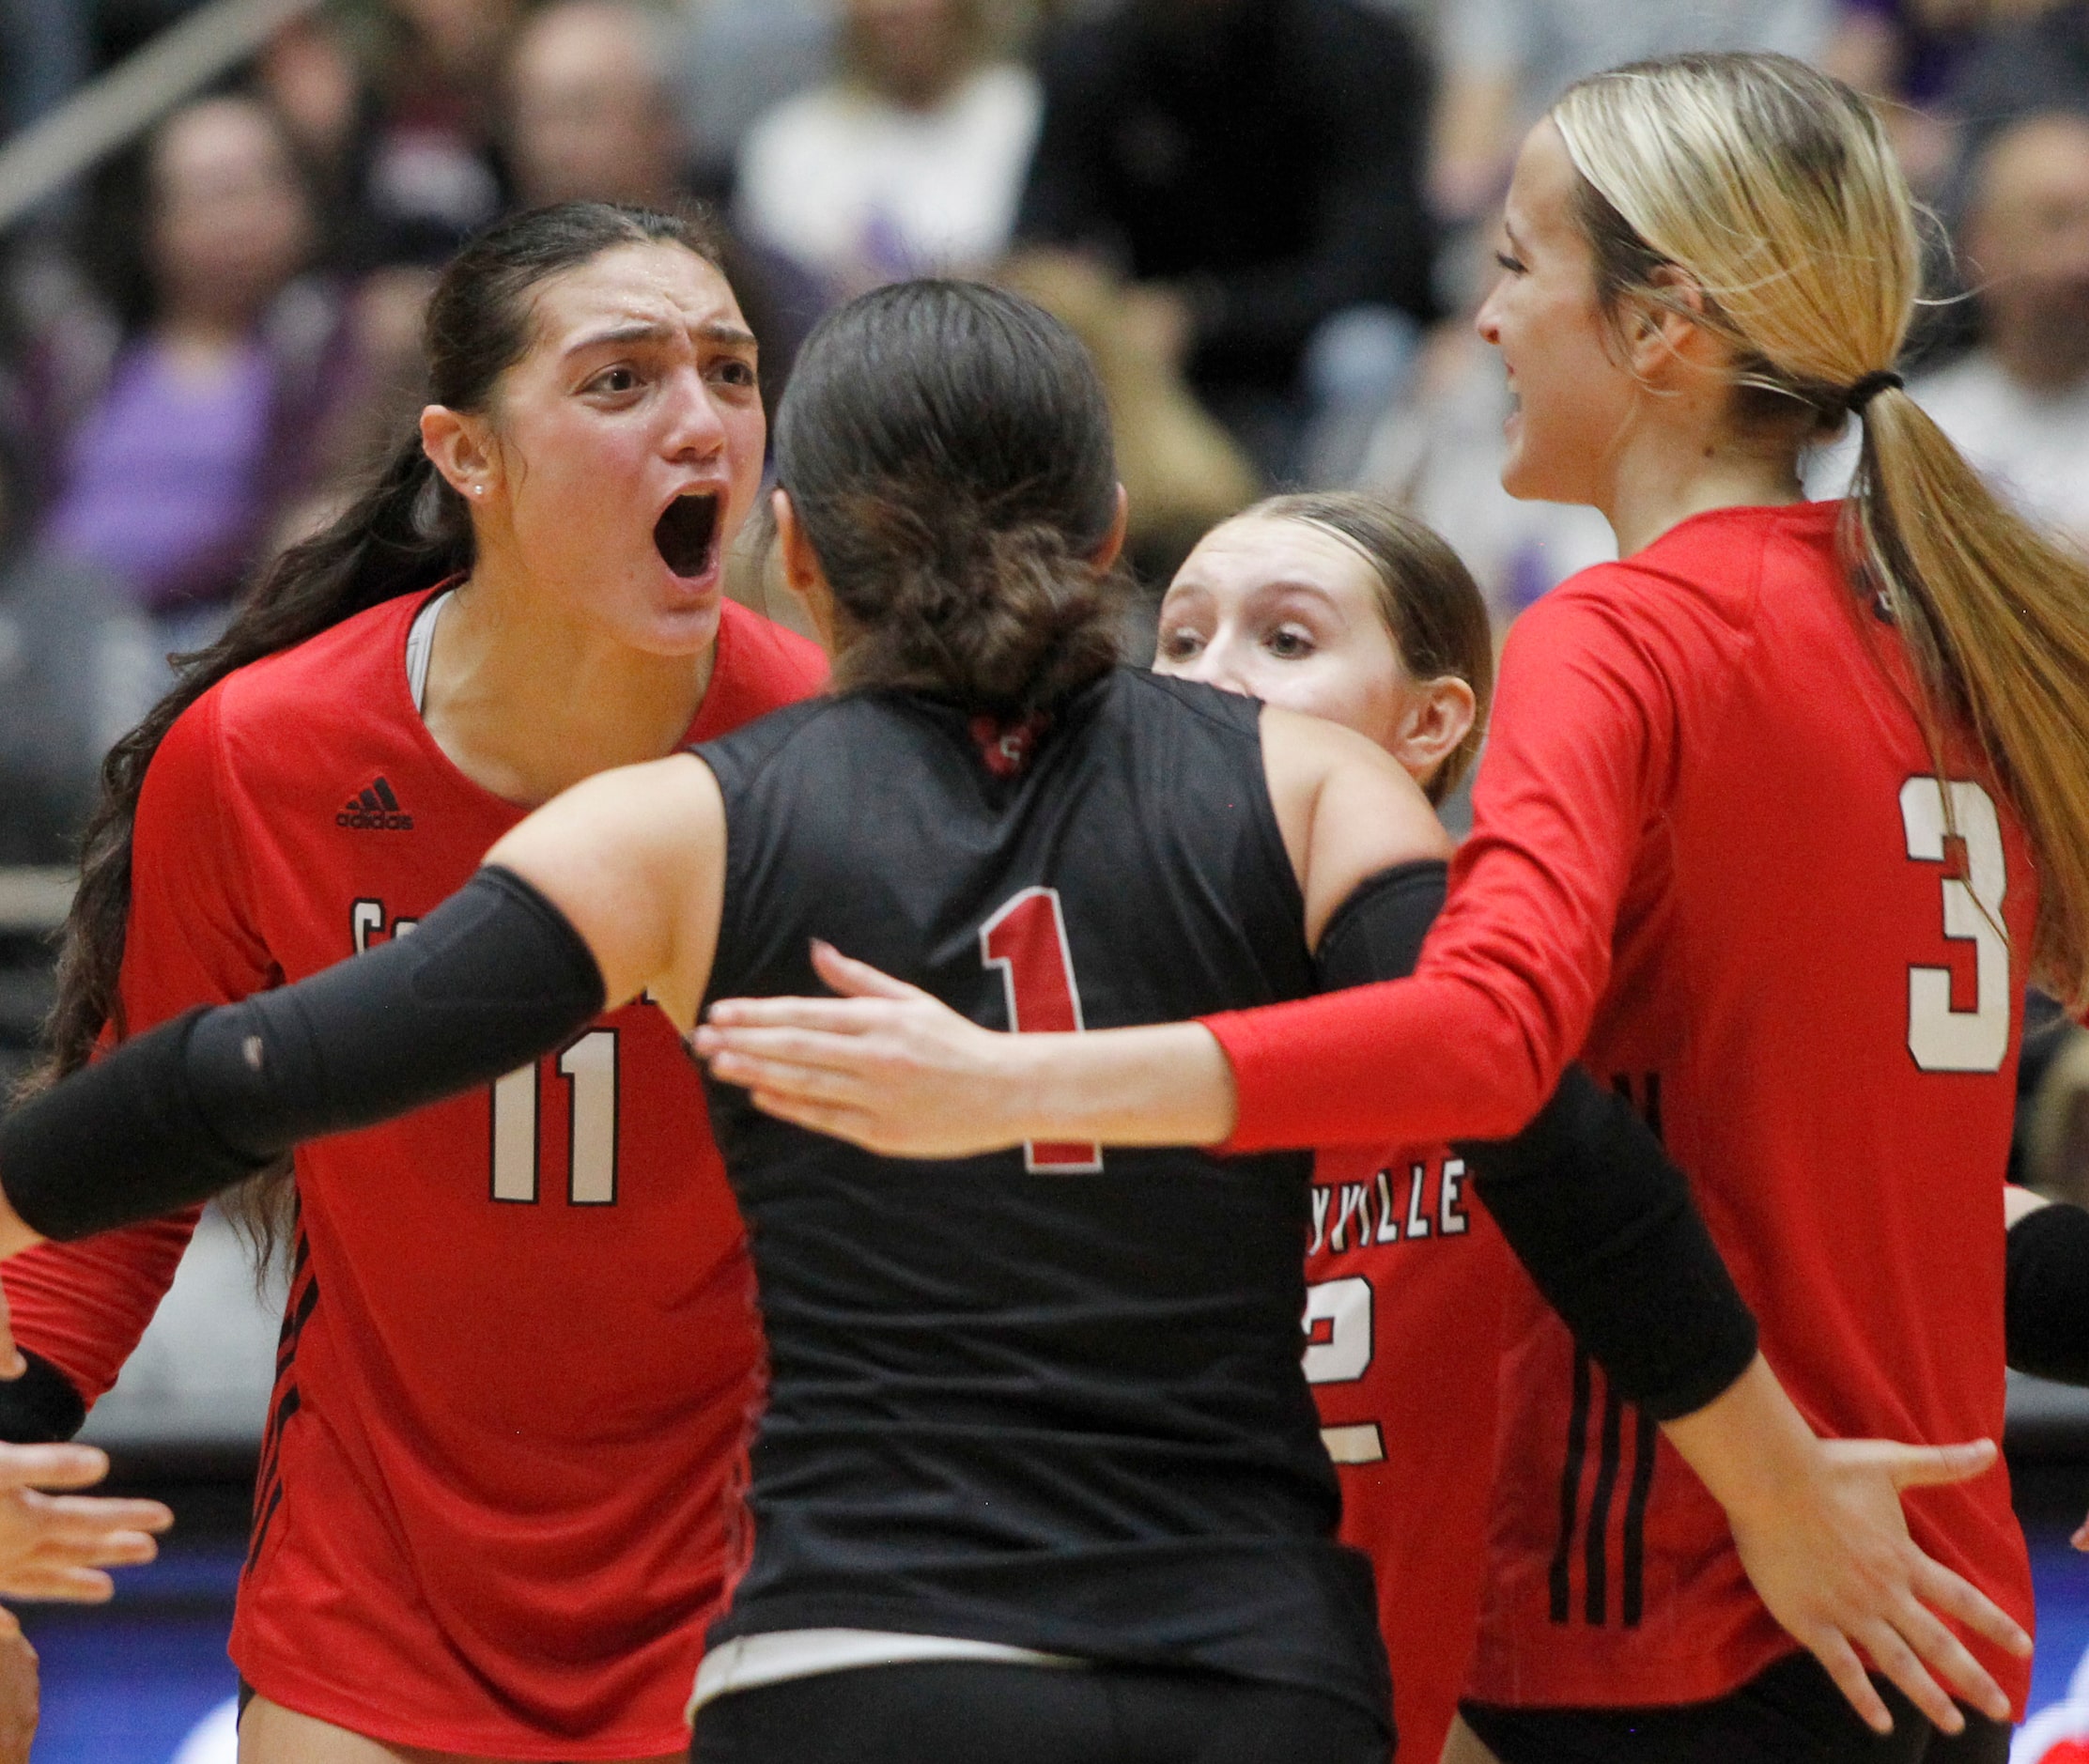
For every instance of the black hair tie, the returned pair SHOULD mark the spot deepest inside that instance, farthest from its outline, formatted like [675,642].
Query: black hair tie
[1868,388]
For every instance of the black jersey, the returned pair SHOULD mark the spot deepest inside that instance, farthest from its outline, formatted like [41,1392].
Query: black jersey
[1049,1397]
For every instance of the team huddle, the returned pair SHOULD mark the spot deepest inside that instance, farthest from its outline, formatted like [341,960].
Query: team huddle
[800,1187]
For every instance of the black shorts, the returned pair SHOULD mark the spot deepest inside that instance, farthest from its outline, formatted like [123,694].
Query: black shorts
[933,1711]
[1790,1714]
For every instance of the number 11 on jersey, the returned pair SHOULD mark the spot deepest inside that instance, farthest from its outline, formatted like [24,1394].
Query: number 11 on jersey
[1026,940]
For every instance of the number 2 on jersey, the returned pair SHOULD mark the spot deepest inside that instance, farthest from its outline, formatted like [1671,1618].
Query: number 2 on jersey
[1939,1038]
[1026,940]
[589,1068]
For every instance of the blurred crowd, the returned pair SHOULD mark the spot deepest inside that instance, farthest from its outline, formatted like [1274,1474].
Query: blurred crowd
[1271,220]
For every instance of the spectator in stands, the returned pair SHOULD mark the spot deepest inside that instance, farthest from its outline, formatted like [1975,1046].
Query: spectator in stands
[2031,63]
[1437,451]
[1505,60]
[434,173]
[207,413]
[741,58]
[76,670]
[908,163]
[592,112]
[1910,52]
[1255,168]
[2017,406]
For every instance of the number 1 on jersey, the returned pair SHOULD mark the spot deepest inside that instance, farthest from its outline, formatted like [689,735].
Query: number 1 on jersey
[589,1068]
[1026,940]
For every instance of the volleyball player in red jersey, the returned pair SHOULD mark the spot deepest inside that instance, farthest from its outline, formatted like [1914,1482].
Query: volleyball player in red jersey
[1779,813]
[498,1488]
[1339,606]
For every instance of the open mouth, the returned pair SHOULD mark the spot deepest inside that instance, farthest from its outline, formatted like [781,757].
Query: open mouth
[687,532]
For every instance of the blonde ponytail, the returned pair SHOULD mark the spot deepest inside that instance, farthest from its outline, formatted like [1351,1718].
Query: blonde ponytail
[1772,188]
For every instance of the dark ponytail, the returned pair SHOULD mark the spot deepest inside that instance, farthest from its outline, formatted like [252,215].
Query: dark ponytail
[406,530]
[947,448]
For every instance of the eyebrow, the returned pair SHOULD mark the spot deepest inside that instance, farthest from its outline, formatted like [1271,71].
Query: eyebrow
[711,331]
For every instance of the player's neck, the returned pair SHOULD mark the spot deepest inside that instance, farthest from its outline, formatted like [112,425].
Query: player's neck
[527,700]
[1659,478]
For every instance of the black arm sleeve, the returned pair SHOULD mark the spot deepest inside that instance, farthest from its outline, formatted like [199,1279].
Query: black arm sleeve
[42,1406]
[1585,1195]
[2046,1310]
[495,977]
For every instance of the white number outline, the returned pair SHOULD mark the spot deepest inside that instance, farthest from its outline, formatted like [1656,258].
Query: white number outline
[589,1065]
[1941,1039]
[1346,1305]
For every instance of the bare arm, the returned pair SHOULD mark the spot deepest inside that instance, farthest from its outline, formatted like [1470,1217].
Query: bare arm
[635,858]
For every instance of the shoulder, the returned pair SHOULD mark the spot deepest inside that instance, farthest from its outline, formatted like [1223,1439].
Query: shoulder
[1228,714]
[738,755]
[1703,580]
[353,671]
[761,667]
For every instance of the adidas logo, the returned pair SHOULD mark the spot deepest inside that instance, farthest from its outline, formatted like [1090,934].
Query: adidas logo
[376,808]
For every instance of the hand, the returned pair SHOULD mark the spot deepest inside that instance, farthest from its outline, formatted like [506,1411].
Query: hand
[1831,1558]
[57,1546]
[884,1066]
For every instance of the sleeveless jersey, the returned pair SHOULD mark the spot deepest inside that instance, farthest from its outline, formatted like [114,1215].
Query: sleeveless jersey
[1405,1273]
[1049,1399]
[498,1494]
[1709,856]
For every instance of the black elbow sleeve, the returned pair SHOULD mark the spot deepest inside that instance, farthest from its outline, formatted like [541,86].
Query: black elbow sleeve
[2046,1310]
[1377,933]
[1612,1236]
[40,1407]
[493,978]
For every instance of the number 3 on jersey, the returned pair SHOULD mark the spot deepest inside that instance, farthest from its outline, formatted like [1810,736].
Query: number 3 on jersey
[1026,940]
[1939,1038]
[589,1069]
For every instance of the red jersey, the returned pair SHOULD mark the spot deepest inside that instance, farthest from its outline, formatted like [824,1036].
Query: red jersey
[1404,1278]
[1709,856]
[497,1501]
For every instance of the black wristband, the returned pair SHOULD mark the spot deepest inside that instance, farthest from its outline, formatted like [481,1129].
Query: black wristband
[1376,934]
[41,1407]
[1609,1230]
[494,977]
[2046,1303]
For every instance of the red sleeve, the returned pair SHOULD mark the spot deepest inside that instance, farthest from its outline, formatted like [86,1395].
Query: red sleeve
[189,941]
[1577,760]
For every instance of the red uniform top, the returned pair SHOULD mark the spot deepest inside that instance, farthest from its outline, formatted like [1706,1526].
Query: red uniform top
[1404,1278]
[1708,856]
[497,1494]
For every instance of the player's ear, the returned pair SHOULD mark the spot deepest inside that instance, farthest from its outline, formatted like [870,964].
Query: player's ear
[1439,715]
[461,448]
[1112,547]
[801,569]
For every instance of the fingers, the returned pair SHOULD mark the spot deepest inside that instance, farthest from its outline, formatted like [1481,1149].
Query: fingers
[829,1016]
[51,1466]
[1920,1466]
[1892,1657]
[1943,1653]
[787,1077]
[66,1586]
[1840,1660]
[1958,1599]
[853,979]
[79,1517]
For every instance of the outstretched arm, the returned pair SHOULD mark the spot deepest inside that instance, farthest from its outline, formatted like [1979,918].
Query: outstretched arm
[605,886]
